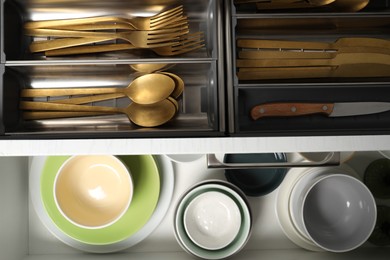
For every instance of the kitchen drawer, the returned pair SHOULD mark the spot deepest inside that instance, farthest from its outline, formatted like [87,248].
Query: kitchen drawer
[24,237]
[197,115]
[372,6]
[248,96]
[283,84]
[202,17]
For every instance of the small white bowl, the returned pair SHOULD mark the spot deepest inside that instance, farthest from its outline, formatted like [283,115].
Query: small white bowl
[212,220]
[93,191]
[246,220]
[338,213]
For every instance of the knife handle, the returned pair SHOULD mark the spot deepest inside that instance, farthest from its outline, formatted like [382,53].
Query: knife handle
[290,109]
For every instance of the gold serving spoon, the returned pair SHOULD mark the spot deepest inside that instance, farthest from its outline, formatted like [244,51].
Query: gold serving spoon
[142,115]
[147,89]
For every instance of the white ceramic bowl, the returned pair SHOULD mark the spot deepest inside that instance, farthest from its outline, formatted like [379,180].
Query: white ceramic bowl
[338,213]
[212,220]
[93,191]
[245,228]
[300,188]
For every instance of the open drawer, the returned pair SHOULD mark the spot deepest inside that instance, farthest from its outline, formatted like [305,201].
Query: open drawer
[197,113]
[287,56]
[25,237]
[200,69]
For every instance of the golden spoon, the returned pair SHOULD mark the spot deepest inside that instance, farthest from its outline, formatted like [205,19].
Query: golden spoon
[147,89]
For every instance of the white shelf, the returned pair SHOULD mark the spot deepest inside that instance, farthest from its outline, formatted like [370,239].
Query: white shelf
[194,145]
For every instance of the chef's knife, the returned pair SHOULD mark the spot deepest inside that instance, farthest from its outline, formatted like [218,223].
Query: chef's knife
[328,109]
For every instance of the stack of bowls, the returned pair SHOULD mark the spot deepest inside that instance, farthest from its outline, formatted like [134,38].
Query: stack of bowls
[212,220]
[331,210]
[101,203]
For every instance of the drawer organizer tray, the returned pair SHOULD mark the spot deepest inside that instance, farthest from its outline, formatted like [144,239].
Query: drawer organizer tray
[199,111]
[269,82]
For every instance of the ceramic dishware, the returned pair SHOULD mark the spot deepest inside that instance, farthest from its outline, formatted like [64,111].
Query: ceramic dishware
[93,191]
[300,188]
[338,213]
[319,156]
[245,228]
[256,182]
[377,178]
[153,188]
[212,220]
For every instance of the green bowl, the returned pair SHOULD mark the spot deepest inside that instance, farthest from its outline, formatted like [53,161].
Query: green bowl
[146,194]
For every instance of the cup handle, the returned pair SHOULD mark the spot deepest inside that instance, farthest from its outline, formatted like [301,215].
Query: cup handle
[332,159]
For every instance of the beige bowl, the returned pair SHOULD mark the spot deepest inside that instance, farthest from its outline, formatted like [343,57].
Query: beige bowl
[93,191]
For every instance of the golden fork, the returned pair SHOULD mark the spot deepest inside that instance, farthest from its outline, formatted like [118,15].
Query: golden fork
[175,22]
[155,22]
[140,39]
[183,44]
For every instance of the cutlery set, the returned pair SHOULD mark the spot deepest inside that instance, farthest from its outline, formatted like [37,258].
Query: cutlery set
[283,59]
[154,100]
[166,34]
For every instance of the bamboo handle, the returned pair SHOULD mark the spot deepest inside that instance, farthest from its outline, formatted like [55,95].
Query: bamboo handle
[284,73]
[280,44]
[307,45]
[339,59]
[290,109]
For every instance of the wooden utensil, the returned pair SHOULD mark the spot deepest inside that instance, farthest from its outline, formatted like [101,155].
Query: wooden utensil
[147,89]
[342,71]
[308,45]
[274,5]
[337,109]
[339,59]
[306,54]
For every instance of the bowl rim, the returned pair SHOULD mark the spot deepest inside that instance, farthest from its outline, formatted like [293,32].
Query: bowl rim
[370,198]
[129,179]
[243,236]
[191,204]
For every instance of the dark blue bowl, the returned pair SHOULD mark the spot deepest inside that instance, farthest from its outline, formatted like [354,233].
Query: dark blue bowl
[256,182]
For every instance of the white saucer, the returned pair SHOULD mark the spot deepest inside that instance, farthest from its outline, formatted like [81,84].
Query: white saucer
[166,191]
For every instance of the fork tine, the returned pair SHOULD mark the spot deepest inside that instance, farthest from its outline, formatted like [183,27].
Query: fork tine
[167,18]
[188,44]
[171,37]
[167,31]
[177,52]
[169,22]
[189,38]
[167,12]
